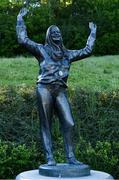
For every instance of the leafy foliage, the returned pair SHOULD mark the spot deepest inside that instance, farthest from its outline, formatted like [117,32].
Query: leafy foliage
[103,156]
[16,158]
[73,20]
[96,115]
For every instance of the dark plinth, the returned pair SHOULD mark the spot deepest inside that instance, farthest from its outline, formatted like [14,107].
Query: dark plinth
[64,170]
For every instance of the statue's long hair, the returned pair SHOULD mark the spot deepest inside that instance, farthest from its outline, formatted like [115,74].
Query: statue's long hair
[56,51]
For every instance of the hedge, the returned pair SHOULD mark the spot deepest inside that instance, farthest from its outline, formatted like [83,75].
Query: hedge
[96,130]
[96,115]
[15,158]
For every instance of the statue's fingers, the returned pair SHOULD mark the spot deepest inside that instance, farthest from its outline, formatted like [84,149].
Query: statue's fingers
[22,11]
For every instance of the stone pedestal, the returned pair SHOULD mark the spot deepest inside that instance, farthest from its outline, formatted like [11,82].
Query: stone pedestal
[34,175]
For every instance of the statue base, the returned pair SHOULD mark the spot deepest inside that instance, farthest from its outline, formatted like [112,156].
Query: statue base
[64,170]
[34,175]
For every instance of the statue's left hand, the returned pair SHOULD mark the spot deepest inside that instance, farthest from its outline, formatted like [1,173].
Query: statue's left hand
[92,26]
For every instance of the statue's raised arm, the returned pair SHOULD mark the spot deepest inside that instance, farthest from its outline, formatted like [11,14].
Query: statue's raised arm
[75,55]
[23,39]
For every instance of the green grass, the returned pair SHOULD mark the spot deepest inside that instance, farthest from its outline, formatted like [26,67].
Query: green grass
[18,71]
[94,73]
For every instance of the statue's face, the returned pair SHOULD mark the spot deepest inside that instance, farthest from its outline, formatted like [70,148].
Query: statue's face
[55,33]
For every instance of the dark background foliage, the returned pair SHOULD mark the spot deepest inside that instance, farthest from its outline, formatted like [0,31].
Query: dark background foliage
[73,20]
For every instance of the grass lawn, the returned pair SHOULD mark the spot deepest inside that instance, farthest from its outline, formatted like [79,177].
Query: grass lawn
[94,73]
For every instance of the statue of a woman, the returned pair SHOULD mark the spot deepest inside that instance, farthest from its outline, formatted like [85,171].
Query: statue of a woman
[54,61]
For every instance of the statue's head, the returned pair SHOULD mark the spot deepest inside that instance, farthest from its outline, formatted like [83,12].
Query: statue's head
[55,43]
[53,35]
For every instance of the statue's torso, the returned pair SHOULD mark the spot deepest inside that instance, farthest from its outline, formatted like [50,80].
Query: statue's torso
[53,70]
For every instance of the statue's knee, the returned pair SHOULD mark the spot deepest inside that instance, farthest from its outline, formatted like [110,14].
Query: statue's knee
[70,125]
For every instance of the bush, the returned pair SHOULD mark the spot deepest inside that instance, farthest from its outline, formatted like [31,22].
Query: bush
[96,130]
[18,117]
[104,156]
[95,113]
[16,158]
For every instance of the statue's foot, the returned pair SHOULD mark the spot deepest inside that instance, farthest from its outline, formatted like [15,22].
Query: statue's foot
[73,161]
[51,162]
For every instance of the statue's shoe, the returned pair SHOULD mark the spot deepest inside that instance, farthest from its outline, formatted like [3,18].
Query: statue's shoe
[73,161]
[51,162]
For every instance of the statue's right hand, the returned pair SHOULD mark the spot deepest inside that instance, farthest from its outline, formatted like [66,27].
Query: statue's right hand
[23,12]
[92,26]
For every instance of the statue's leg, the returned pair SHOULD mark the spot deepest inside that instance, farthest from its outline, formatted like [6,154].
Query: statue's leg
[67,124]
[45,108]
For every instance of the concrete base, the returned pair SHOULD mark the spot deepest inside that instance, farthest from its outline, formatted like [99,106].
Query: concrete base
[34,175]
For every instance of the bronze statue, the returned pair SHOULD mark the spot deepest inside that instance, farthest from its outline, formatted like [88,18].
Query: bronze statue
[54,61]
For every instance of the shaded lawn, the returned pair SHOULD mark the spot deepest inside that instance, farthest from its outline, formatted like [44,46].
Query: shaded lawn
[94,73]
